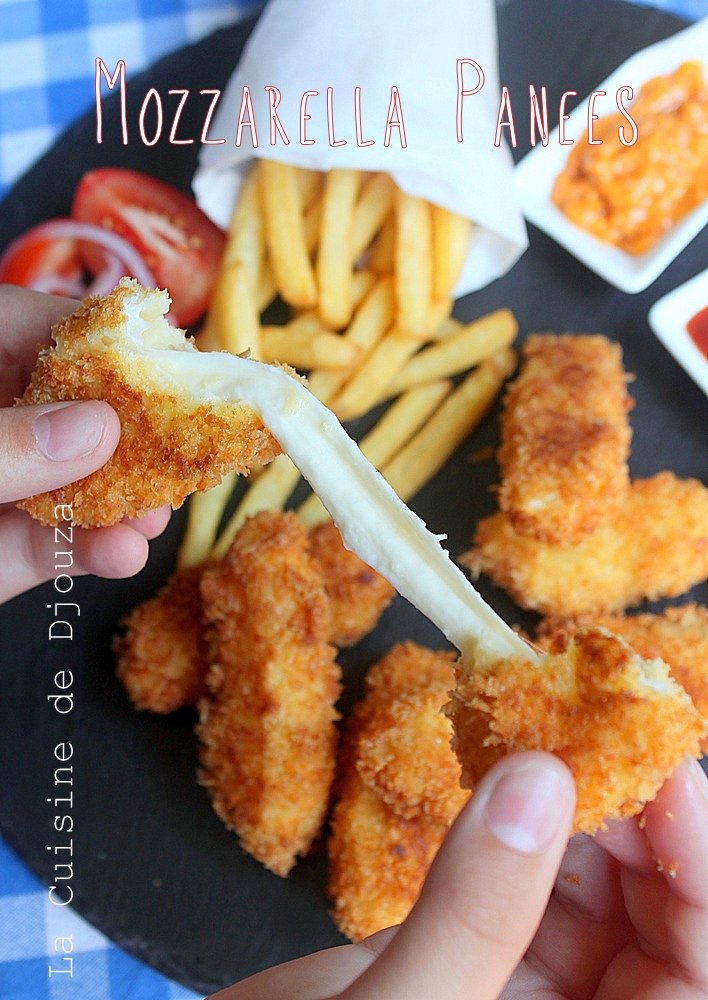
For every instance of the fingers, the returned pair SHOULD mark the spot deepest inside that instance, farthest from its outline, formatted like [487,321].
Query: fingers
[47,446]
[487,890]
[677,832]
[324,974]
[151,524]
[665,859]
[32,554]
[26,319]
[585,925]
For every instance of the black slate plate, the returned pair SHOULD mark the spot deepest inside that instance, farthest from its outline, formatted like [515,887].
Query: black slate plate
[154,868]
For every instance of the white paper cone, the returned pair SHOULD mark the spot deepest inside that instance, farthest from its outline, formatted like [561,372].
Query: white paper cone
[311,45]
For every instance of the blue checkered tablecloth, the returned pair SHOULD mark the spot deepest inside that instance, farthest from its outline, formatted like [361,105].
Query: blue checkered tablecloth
[47,51]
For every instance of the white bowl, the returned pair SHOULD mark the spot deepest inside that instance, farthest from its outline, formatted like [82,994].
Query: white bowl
[669,317]
[535,174]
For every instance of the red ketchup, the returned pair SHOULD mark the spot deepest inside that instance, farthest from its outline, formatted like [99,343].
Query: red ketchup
[697,327]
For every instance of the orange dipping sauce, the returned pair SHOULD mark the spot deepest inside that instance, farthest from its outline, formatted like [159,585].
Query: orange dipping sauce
[631,196]
[697,328]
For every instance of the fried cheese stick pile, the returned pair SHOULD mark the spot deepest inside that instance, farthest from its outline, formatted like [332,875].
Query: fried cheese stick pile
[171,444]
[251,639]
[267,730]
[161,655]
[504,691]
[656,546]
[399,790]
[565,438]
[619,721]
[577,537]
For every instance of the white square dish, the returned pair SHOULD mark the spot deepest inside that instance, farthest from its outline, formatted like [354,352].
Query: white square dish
[535,174]
[669,317]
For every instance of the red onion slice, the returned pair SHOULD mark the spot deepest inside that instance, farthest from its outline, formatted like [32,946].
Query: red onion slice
[115,244]
[108,277]
[119,249]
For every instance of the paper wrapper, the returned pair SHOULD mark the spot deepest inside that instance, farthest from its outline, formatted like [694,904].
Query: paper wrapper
[376,44]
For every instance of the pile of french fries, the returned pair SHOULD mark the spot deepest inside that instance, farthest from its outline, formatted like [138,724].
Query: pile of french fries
[368,273]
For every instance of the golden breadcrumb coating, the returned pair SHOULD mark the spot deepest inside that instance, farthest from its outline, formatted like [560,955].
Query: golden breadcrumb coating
[656,546]
[621,724]
[267,728]
[388,823]
[358,594]
[406,758]
[406,667]
[171,444]
[678,636]
[161,652]
[565,438]
[377,860]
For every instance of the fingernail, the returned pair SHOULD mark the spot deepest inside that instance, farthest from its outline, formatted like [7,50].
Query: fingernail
[523,812]
[68,431]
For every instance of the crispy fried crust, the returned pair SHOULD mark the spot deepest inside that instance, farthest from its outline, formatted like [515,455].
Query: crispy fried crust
[267,731]
[656,546]
[358,594]
[392,815]
[406,758]
[678,636]
[377,860]
[169,447]
[565,438]
[407,667]
[161,653]
[620,734]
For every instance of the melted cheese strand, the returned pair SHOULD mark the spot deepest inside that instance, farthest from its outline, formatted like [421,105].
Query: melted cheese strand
[373,521]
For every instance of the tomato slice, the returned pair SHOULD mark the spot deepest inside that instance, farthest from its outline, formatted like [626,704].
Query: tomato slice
[38,259]
[180,245]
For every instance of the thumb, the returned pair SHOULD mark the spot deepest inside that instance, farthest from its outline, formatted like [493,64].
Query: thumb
[47,446]
[487,890]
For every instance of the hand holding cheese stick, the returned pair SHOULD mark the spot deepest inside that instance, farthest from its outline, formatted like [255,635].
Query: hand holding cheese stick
[505,855]
[49,445]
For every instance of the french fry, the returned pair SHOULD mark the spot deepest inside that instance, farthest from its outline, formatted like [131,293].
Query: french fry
[446,328]
[334,256]
[304,348]
[266,289]
[390,433]
[285,235]
[371,320]
[269,492]
[413,265]
[374,316]
[362,283]
[383,249]
[374,204]
[205,512]
[438,313]
[451,239]
[460,413]
[459,351]
[235,315]
[206,337]
[310,183]
[313,225]
[370,381]
[245,239]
